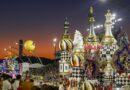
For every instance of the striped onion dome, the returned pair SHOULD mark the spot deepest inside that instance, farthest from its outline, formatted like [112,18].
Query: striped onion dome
[76,59]
[66,44]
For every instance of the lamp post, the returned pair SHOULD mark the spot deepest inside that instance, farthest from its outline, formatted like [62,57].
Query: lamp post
[54,45]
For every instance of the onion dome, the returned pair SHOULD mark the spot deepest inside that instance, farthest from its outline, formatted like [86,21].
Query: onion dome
[76,59]
[66,42]
[108,37]
[91,42]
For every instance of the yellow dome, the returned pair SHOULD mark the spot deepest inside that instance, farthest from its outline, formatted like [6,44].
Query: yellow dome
[29,45]
[76,59]
[66,44]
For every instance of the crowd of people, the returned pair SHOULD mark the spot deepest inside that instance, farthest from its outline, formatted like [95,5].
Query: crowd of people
[8,83]
[49,81]
[49,73]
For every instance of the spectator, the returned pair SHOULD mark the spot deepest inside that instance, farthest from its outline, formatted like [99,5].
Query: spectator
[12,83]
[16,83]
[6,84]
[20,86]
[27,85]
[1,81]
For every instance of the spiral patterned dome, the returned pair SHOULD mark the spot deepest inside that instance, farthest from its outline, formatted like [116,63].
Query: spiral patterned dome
[76,59]
[66,44]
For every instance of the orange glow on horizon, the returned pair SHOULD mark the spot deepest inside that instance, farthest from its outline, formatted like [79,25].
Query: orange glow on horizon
[43,49]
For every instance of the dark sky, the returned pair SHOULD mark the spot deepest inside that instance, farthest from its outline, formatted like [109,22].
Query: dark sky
[42,20]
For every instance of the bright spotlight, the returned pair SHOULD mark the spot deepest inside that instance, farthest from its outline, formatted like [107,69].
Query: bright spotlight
[120,19]
[117,88]
[102,0]
[55,39]
[98,26]
[113,16]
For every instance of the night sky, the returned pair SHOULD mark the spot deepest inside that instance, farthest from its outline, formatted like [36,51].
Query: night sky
[42,20]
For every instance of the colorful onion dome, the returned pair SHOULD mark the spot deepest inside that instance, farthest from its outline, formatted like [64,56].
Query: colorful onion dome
[76,59]
[66,43]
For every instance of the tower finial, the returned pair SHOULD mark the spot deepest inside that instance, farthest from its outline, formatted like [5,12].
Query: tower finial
[91,9]
[91,15]
[66,26]
[108,37]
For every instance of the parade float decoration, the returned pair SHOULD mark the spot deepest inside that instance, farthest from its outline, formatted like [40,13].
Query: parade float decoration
[90,64]
[109,72]
[122,62]
[29,45]
[91,42]
[10,65]
[122,59]
[87,86]
[65,46]
[109,43]
[77,60]
[91,46]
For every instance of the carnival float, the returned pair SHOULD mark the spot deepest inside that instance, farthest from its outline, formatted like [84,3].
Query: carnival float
[88,63]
